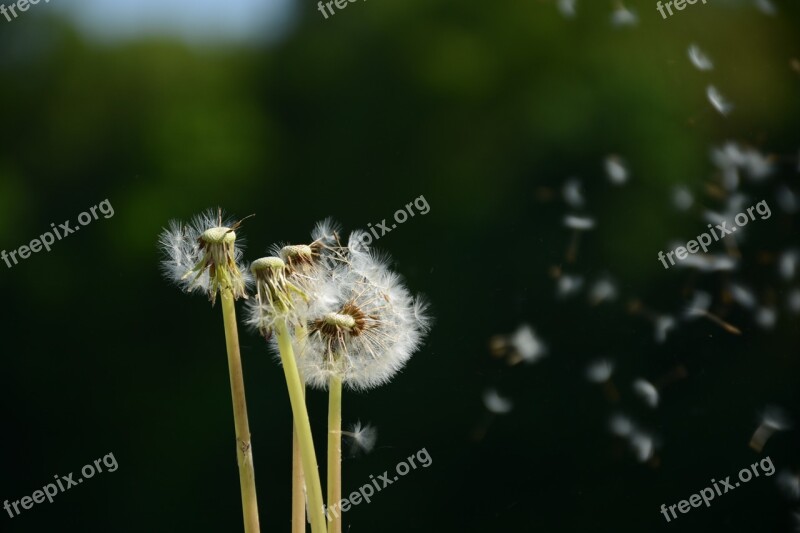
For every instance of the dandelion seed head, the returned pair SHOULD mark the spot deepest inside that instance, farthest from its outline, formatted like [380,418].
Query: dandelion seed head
[366,329]
[203,255]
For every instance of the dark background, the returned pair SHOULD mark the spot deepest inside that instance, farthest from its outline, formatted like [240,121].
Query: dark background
[485,108]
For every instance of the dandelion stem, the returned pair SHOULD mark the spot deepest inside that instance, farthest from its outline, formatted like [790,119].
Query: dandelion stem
[298,483]
[244,451]
[298,487]
[335,449]
[303,427]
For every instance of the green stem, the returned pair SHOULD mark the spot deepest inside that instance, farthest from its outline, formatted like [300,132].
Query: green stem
[298,487]
[244,451]
[303,428]
[335,450]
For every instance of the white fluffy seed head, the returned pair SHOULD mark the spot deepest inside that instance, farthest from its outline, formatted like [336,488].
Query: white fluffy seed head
[204,255]
[366,324]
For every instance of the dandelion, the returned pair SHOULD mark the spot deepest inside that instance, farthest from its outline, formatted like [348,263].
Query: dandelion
[203,255]
[276,306]
[359,337]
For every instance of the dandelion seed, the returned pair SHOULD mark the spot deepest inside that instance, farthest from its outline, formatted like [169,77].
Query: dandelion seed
[646,391]
[495,403]
[766,317]
[682,198]
[793,301]
[362,438]
[622,16]
[522,345]
[567,8]
[699,59]
[731,156]
[572,193]
[602,290]
[616,170]
[579,223]
[718,101]
[709,263]
[643,446]
[600,371]
[789,483]
[743,296]
[787,264]
[569,285]
[699,305]
[766,7]
[773,419]
[620,425]
[663,325]
[787,200]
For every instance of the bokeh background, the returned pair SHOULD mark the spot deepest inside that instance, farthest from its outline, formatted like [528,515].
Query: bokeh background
[484,108]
